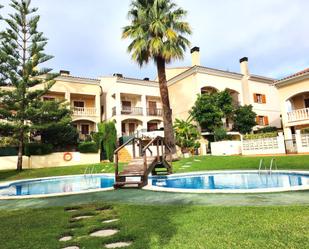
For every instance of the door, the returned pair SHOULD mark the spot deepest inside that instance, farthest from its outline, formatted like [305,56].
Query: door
[80,104]
[131,128]
[152,108]
[126,107]
[306,103]
[152,126]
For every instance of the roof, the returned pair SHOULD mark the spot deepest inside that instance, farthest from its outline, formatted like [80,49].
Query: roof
[295,76]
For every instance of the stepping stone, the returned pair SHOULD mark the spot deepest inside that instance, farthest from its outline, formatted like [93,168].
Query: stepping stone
[104,233]
[196,160]
[110,221]
[83,217]
[71,210]
[118,245]
[71,247]
[186,166]
[66,238]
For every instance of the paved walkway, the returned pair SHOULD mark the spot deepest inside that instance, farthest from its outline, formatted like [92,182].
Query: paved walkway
[143,197]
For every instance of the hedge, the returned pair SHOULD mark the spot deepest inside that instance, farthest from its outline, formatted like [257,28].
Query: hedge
[88,147]
[261,135]
[38,149]
[8,151]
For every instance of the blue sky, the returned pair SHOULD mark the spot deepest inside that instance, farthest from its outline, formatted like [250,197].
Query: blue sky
[85,36]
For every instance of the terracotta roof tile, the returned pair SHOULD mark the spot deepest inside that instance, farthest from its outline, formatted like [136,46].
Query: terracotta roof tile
[296,74]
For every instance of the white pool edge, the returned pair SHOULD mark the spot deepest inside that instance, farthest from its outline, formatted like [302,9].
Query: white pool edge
[150,187]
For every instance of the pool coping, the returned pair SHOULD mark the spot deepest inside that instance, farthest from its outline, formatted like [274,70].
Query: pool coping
[150,187]
[230,191]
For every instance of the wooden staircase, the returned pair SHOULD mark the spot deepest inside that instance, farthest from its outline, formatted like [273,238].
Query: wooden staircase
[135,174]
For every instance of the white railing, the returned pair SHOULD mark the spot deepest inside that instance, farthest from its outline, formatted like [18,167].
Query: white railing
[84,111]
[305,140]
[298,115]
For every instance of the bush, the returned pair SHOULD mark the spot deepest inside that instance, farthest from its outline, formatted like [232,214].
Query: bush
[8,142]
[8,151]
[88,147]
[220,134]
[268,129]
[261,135]
[37,149]
[60,136]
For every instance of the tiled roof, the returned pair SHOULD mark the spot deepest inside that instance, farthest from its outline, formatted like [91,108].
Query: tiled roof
[296,74]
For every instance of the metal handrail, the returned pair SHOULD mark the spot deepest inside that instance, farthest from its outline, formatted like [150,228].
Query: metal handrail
[273,162]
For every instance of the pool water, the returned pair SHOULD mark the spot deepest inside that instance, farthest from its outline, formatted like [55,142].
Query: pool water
[58,185]
[230,181]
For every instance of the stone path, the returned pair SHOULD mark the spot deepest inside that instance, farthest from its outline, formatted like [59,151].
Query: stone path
[102,233]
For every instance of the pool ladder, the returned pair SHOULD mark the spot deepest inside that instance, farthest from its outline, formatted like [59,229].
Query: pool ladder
[90,170]
[273,164]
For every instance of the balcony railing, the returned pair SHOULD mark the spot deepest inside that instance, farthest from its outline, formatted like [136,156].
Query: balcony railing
[298,115]
[126,110]
[84,111]
[154,112]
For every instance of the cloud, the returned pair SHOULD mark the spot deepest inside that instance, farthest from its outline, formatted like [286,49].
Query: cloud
[85,36]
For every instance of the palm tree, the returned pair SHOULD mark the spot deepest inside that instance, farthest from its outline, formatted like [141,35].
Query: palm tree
[157,31]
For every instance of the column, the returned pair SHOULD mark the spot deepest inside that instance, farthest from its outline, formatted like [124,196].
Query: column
[144,106]
[118,104]
[67,97]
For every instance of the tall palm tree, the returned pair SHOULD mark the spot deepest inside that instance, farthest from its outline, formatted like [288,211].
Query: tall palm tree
[158,31]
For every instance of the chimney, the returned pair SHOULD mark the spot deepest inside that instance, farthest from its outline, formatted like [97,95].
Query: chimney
[118,75]
[64,72]
[244,68]
[146,79]
[195,54]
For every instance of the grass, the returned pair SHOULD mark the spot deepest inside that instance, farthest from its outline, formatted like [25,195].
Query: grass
[159,227]
[195,163]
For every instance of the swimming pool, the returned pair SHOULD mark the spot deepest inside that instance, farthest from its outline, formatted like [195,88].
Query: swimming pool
[232,182]
[198,182]
[58,185]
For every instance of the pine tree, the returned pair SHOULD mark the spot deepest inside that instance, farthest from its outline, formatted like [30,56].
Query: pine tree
[21,53]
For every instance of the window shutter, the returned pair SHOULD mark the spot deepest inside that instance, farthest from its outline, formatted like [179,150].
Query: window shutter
[266,122]
[257,120]
[255,98]
[264,99]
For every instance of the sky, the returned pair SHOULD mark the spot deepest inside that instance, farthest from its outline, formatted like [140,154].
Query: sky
[85,36]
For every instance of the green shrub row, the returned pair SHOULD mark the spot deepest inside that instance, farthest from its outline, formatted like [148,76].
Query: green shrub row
[38,149]
[305,131]
[88,147]
[261,135]
[8,151]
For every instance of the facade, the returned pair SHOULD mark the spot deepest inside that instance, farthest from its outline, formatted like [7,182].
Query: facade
[244,87]
[294,103]
[133,104]
[84,98]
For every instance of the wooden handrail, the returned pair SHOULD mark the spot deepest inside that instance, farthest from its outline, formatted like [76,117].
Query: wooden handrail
[124,145]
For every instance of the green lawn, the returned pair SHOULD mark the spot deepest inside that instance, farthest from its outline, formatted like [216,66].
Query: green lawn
[195,163]
[160,227]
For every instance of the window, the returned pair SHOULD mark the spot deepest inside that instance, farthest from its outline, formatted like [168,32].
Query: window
[85,129]
[152,126]
[152,108]
[80,104]
[259,98]
[306,103]
[262,120]
[126,106]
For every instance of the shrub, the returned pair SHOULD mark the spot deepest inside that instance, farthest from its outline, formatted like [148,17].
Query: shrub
[88,147]
[61,136]
[261,135]
[33,149]
[220,134]
[268,129]
[8,151]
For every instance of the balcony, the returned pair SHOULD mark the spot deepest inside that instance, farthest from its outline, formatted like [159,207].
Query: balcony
[126,110]
[84,111]
[298,115]
[154,112]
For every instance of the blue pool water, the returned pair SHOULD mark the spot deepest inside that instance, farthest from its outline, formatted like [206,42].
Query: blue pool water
[57,185]
[230,181]
[214,181]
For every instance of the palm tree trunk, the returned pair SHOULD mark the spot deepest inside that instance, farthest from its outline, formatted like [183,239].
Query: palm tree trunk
[167,112]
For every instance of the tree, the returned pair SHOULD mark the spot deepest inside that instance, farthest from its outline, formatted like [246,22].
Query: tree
[186,134]
[21,53]
[157,31]
[244,119]
[106,139]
